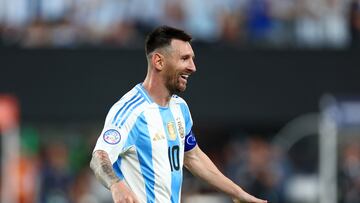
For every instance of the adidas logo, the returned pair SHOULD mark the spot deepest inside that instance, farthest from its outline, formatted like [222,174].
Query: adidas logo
[158,136]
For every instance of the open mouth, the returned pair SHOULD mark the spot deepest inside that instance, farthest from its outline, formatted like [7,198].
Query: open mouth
[184,76]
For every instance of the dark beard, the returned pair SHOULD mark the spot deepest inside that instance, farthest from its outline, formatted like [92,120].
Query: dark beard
[172,88]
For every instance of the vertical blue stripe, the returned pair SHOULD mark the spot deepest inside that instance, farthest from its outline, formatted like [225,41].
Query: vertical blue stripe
[116,167]
[186,113]
[126,109]
[130,111]
[176,175]
[126,103]
[144,153]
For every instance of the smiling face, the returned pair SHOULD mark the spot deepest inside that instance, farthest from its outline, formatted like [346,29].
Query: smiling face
[179,65]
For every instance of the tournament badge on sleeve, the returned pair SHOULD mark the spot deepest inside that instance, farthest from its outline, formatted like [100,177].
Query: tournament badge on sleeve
[112,136]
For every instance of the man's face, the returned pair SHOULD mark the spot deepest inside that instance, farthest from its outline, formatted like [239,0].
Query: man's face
[179,65]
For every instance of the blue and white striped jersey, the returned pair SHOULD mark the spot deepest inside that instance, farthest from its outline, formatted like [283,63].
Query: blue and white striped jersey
[146,144]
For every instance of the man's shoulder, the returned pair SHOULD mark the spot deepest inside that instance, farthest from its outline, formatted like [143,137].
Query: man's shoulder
[177,99]
[131,102]
[133,98]
[128,96]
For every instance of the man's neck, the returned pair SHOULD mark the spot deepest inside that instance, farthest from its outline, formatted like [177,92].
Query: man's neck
[157,91]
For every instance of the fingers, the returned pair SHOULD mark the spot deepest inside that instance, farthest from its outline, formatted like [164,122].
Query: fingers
[122,194]
[260,201]
[127,199]
[255,200]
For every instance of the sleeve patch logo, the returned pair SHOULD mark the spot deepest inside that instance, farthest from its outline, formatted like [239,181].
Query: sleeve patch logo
[190,140]
[112,136]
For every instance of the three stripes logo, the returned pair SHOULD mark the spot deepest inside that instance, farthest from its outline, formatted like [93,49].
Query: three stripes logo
[158,136]
[127,108]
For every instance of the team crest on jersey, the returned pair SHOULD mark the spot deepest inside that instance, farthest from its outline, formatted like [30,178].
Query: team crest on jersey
[112,136]
[180,127]
[171,130]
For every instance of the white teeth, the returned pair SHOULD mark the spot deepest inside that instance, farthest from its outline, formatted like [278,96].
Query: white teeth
[185,76]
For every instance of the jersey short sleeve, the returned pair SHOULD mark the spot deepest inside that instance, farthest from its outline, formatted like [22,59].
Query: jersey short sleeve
[112,138]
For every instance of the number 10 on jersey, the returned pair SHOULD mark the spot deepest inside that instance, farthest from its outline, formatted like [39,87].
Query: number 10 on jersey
[173,153]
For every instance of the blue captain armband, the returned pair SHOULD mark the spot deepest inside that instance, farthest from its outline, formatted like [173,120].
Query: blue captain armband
[190,141]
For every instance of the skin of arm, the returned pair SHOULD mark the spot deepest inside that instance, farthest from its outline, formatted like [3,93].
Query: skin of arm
[102,168]
[199,164]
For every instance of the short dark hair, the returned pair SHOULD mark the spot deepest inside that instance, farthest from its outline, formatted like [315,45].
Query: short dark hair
[162,36]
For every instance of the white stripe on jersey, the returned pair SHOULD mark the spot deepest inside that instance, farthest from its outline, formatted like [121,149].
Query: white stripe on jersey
[130,167]
[162,173]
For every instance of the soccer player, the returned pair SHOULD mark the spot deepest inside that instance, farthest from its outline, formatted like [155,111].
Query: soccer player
[148,137]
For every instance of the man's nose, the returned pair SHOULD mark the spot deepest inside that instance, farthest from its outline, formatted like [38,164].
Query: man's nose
[192,66]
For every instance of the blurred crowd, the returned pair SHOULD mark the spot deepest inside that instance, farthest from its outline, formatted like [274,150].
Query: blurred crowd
[349,172]
[123,23]
[54,168]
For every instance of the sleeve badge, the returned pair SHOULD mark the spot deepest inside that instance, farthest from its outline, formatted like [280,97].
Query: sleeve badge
[112,136]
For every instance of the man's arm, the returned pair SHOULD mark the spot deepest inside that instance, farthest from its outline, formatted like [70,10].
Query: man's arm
[102,167]
[199,164]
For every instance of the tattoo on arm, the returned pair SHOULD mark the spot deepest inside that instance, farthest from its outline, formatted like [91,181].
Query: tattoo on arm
[101,166]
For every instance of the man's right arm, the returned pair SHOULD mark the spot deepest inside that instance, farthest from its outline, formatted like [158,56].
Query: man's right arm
[102,167]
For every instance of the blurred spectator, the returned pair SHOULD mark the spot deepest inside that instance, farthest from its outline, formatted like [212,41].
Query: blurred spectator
[174,14]
[350,173]
[80,191]
[354,23]
[258,167]
[146,14]
[283,13]
[56,177]
[63,34]
[334,23]
[321,23]
[259,21]
[202,19]
[232,19]
[14,16]
[29,165]
[15,13]
[99,18]
[54,10]
[308,27]
[37,35]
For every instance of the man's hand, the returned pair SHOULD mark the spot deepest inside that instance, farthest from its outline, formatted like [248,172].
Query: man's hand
[102,167]
[122,194]
[249,199]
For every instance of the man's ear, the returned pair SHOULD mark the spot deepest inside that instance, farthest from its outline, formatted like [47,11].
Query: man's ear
[157,60]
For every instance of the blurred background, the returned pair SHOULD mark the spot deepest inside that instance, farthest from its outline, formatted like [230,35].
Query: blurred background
[275,100]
